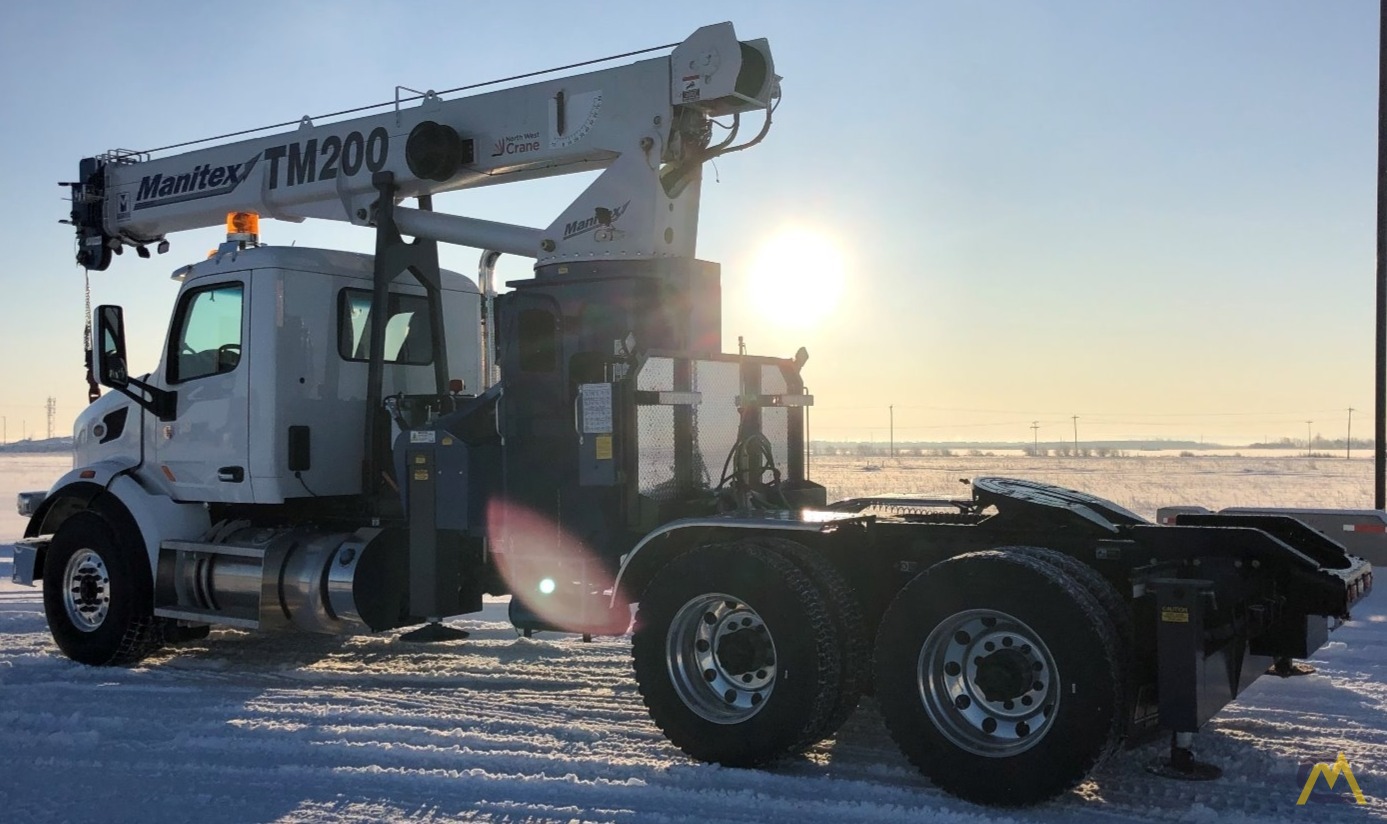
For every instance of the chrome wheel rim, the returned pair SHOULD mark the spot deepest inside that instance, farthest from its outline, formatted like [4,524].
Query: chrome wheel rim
[86,590]
[721,658]
[988,682]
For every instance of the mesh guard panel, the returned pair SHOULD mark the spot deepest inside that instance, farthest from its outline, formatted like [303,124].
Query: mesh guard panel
[715,425]
[715,419]
[655,434]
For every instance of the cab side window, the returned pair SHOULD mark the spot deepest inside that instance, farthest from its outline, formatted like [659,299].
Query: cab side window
[206,333]
[408,338]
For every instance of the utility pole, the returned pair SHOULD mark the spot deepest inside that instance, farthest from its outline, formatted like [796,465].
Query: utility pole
[1348,439]
[1035,434]
[892,447]
[4,430]
[1076,436]
[1380,370]
[1307,438]
[52,407]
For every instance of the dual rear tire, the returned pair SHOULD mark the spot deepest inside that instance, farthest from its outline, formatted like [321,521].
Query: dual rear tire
[1001,675]
[748,650]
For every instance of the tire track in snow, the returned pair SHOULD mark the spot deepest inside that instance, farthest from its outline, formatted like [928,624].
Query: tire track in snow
[241,727]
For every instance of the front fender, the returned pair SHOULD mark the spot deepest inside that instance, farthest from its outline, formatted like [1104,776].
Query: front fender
[121,499]
[159,517]
[74,492]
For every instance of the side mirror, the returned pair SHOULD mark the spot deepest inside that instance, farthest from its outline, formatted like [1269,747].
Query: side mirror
[110,349]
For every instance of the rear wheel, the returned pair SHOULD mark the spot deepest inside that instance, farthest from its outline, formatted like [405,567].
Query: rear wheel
[735,654]
[855,650]
[98,594]
[1113,606]
[999,677]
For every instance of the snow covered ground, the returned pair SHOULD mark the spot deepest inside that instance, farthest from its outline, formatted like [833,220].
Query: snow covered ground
[257,728]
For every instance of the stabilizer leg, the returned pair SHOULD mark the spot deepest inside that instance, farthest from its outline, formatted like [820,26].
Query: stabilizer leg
[1290,668]
[1181,764]
[434,632]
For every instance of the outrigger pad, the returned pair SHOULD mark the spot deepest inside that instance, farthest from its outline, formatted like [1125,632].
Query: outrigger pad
[1286,668]
[1181,766]
[434,633]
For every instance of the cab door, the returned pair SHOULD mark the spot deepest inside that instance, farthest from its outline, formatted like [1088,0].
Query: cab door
[204,452]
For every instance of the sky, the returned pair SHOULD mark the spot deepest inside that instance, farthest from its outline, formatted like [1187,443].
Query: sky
[1155,215]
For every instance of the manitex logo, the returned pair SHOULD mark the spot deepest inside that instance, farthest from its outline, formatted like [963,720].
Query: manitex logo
[1331,773]
[203,180]
[603,221]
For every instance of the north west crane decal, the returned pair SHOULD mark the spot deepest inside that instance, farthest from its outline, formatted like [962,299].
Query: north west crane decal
[290,164]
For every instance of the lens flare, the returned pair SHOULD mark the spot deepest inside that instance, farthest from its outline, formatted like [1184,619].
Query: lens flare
[555,576]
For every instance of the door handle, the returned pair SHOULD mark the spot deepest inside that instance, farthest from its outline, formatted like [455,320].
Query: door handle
[231,474]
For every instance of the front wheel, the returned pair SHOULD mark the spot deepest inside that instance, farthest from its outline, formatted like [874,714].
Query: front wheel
[1000,677]
[97,594]
[736,654]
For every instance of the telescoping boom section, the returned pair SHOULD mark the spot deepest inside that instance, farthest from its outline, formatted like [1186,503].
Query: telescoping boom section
[646,123]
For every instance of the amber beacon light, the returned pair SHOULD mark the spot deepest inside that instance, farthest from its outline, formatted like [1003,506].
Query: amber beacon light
[243,226]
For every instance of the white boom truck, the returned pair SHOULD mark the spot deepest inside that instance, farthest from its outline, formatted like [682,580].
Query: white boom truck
[343,443]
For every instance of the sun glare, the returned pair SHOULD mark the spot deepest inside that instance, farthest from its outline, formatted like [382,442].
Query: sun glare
[798,273]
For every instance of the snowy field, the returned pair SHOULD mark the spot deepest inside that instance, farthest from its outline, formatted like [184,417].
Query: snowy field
[256,728]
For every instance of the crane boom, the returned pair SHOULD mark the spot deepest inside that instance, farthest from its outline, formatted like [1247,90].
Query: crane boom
[645,124]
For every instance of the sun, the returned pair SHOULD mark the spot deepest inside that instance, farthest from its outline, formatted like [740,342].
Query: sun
[797,276]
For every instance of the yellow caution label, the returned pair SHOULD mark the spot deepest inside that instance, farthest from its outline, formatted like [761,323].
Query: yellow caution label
[1175,615]
[421,474]
[419,459]
[603,445]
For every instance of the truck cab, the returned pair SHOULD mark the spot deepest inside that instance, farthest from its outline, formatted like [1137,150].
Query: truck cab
[264,376]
